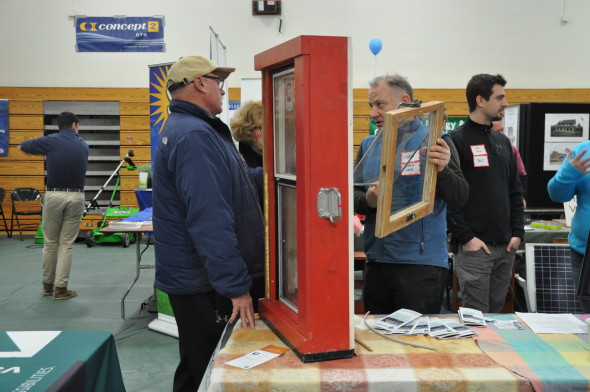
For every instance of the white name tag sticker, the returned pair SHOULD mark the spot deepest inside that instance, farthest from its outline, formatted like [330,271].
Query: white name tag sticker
[479,149]
[480,161]
[410,163]
[480,155]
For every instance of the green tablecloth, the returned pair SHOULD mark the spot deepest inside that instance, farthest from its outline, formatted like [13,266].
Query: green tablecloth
[59,360]
[542,236]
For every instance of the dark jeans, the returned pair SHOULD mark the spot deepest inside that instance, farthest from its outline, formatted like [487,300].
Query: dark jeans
[390,287]
[201,319]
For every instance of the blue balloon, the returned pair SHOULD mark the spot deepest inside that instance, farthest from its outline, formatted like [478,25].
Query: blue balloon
[375,45]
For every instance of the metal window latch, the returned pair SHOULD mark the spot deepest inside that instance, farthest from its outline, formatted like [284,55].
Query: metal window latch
[330,204]
[410,217]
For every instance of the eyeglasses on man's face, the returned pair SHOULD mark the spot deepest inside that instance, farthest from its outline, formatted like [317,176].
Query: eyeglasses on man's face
[220,81]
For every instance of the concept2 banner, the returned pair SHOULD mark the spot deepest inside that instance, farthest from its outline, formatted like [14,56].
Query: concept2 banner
[120,34]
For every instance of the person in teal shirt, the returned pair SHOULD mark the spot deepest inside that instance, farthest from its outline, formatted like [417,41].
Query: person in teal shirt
[573,179]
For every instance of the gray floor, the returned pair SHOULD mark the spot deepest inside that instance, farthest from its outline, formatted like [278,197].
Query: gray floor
[101,275]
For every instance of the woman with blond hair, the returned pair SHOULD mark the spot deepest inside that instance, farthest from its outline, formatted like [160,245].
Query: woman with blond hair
[246,127]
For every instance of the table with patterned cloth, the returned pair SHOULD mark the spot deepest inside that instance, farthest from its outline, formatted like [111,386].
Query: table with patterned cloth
[552,362]
[456,365]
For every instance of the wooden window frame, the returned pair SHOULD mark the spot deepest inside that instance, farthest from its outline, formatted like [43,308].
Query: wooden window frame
[387,223]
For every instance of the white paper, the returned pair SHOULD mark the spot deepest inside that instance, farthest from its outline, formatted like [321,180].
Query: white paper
[553,323]
[569,207]
[257,357]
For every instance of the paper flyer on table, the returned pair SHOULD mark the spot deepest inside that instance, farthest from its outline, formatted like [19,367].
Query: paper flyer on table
[397,319]
[420,327]
[438,329]
[553,323]
[471,317]
[257,357]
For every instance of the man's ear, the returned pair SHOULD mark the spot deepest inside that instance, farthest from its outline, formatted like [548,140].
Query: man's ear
[479,100]
[406,98]
[198,83]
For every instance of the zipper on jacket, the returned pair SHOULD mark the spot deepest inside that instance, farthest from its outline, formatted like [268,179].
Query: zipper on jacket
[422,238]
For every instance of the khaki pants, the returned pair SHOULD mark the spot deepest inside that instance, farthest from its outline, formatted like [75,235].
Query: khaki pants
[62,214]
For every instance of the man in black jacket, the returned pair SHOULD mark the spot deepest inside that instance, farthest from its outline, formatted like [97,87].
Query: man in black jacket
[489,227]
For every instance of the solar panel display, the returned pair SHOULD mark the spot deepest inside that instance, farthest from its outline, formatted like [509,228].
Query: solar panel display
[549,279]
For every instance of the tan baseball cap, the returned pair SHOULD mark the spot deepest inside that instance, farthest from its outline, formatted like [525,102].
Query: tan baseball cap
[186,68]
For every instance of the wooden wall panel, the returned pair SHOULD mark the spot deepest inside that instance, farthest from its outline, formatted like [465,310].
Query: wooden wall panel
[128,198]
[26,122]
[134,108]
[135,138]
[14,153]
[18,136]
[75,94]
[360,123]
[130,184]
[141,153]
[25,107]
[135,123]
[569,95]
[23,181]
[30,168]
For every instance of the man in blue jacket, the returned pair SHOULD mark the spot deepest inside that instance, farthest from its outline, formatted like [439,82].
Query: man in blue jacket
[408,268]
[208,226]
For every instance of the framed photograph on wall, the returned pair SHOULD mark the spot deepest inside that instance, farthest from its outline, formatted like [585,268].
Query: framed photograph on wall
[512,123]
[554,155]
[566,127]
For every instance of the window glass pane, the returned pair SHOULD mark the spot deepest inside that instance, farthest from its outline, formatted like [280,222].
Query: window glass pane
[288,288]
[410,162]
[284,123]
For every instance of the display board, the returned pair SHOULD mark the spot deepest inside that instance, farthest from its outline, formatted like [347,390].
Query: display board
[550,128]
[549,283]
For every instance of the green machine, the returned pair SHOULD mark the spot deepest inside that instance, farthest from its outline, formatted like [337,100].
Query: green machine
[112,213]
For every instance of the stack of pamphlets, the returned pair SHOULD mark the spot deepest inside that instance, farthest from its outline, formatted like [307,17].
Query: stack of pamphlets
[472,317]
[409,322]
[397,319]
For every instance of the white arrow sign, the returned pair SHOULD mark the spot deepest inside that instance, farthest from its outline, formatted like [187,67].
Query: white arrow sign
[29,343]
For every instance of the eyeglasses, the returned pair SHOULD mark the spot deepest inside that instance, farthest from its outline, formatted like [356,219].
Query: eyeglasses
[221,81]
